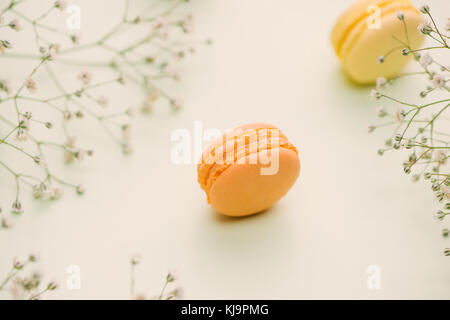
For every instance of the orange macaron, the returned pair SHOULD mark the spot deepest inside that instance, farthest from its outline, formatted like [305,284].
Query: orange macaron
[248,169]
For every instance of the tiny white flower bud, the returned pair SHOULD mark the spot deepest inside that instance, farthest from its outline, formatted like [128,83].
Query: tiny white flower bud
[80,190]
[425,9]
[60,4]
[102,101]
[30,84]
[17,264]
[15,25]
[135,259]
[439,81]
[17,207]
[425,60]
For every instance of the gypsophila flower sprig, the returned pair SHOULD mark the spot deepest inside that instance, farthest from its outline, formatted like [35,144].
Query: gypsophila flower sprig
[422,129]
[143,62]
[19,285]
[168,291]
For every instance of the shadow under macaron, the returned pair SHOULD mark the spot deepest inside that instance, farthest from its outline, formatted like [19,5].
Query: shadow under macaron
[224,219]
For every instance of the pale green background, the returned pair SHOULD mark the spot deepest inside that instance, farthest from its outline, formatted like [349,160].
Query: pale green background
[271,61]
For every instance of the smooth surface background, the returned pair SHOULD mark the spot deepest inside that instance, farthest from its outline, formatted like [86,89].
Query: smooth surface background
[272,62]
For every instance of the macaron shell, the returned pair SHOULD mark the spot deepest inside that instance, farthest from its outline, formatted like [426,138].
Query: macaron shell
[236,131]
[360,58]
[357,11]
[242,190]
[203,168]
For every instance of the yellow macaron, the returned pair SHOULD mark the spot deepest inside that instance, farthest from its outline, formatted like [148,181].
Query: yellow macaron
[365,32]
[248,169]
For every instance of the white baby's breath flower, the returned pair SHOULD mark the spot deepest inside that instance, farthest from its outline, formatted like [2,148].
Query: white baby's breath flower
[146,106]
[16,289]
[161,25]
[60,4]
[130,112]
[152,97]
[30,84]
[85,77]
[6,223]
[127,148]
[68,115]
[36,191]
[171,276]
[79,114]
[440,155]
[425,60]
[424,8]
[55,46]
[439,81]
[161,22]
[39,160]
[55,193]
[381,83]
[17,207]
[15,25]
[28,115]
[4,44]
[33,257]
[425,27]
[47,192]
[399,115]
[75,38]
[21,135]
[4,86]
[381,112]
[440,215]
[375,94]
[80,190]
[172,71]
[102,101]
[69,153]
[446,191]
[126,131]
[52,285]
[178,293]
[52,51]
[25,123]
[135,259]
[176,104]
[18,264]
[187,23]
[121,78]
[79,154]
